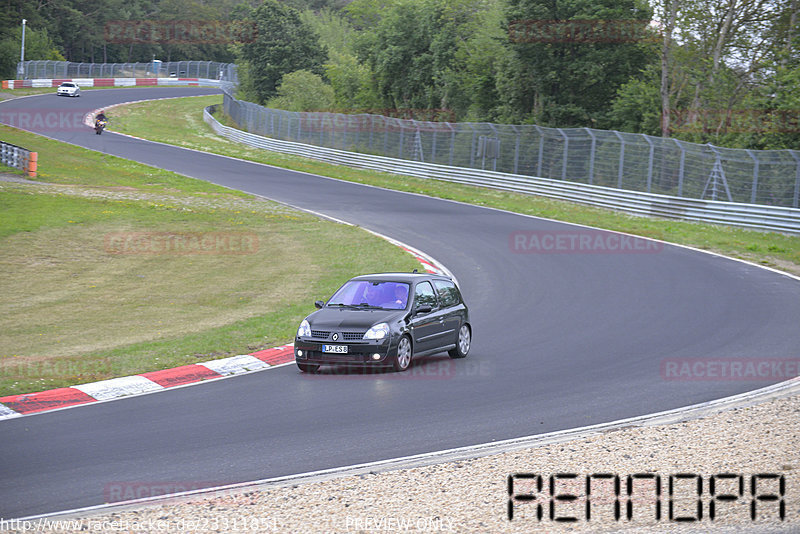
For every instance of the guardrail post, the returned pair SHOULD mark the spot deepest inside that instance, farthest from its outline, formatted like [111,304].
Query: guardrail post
[680,167]
[541,151]
[452,142]
[621,158]
[591,155]
[433,141]
[566,151]
[496,148]
[472,146]
[796,179]
[516,149]
[755,177]
[402,138]
[649,163]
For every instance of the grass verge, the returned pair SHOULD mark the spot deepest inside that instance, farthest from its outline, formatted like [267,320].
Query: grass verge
[106,271]
[187,129]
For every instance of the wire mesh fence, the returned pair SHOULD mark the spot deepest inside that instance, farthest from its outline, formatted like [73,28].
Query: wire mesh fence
[620,160]
[179,69]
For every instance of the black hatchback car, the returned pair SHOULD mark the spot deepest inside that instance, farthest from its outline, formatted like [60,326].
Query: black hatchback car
[385,320]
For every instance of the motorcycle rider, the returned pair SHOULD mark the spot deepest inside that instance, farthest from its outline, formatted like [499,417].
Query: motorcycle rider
[97,119]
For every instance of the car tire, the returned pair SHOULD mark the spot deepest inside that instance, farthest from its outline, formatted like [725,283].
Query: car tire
[308,367]
[463,343]
[404,354]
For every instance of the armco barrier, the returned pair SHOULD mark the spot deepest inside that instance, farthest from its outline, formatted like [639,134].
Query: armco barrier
[770,218]
[18,158]
[111,82]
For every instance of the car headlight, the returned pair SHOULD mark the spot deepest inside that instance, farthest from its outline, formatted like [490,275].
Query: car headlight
[379,331]
[304,330]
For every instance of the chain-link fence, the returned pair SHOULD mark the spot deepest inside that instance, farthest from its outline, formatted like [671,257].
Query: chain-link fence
[179,69]
[635,162]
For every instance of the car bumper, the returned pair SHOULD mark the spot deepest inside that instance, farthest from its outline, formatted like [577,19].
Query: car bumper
[367,353]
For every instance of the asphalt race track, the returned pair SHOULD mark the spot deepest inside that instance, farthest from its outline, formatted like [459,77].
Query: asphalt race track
[561,340]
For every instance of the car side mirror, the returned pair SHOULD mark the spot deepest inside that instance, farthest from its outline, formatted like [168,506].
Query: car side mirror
[423,309]
[319,303]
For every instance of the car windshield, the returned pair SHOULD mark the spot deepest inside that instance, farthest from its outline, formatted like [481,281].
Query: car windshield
[371,294]
[67,85]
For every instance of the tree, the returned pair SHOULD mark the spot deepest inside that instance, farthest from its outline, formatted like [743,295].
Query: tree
[283,44]
[302,91]
[422,52]
[670,12]
[38,45]
[569,58]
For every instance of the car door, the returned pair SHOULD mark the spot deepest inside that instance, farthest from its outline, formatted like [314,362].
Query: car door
[450,312]
[425,326]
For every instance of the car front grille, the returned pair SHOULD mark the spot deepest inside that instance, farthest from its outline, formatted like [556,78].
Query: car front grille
[353,336]
[346,336]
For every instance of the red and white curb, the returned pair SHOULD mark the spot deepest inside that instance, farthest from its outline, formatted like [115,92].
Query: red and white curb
[150,382]
[114,388]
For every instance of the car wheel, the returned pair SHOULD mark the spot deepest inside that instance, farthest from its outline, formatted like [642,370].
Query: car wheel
[464,341]
[405,352]
[308,367]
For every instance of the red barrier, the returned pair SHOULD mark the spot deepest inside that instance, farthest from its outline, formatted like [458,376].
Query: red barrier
[104,82]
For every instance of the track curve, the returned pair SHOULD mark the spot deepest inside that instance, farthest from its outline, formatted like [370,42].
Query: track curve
[560,341]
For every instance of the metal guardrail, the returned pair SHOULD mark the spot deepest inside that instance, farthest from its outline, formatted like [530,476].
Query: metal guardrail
[18,158]
[770,218]
[179,69]
[631,161]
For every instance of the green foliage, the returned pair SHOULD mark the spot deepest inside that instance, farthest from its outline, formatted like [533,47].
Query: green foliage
[302,91]
[637,106]
[570,82]
[423,53]
[284,44]
[38,45]
[351,80]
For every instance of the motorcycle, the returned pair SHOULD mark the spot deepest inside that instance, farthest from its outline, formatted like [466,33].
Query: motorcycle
[99,125]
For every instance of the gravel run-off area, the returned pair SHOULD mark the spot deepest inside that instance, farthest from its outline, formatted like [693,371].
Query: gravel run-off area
[472,495]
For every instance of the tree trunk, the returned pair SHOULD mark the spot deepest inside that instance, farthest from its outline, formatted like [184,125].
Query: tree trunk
[670,11]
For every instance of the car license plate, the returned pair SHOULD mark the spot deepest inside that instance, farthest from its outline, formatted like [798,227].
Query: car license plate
[335,349]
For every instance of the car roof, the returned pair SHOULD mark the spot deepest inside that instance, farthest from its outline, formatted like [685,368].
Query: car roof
[401,277]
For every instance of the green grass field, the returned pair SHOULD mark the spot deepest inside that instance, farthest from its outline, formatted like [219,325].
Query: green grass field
[102,279]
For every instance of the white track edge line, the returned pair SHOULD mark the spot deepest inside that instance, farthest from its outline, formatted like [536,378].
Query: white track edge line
[688,413]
